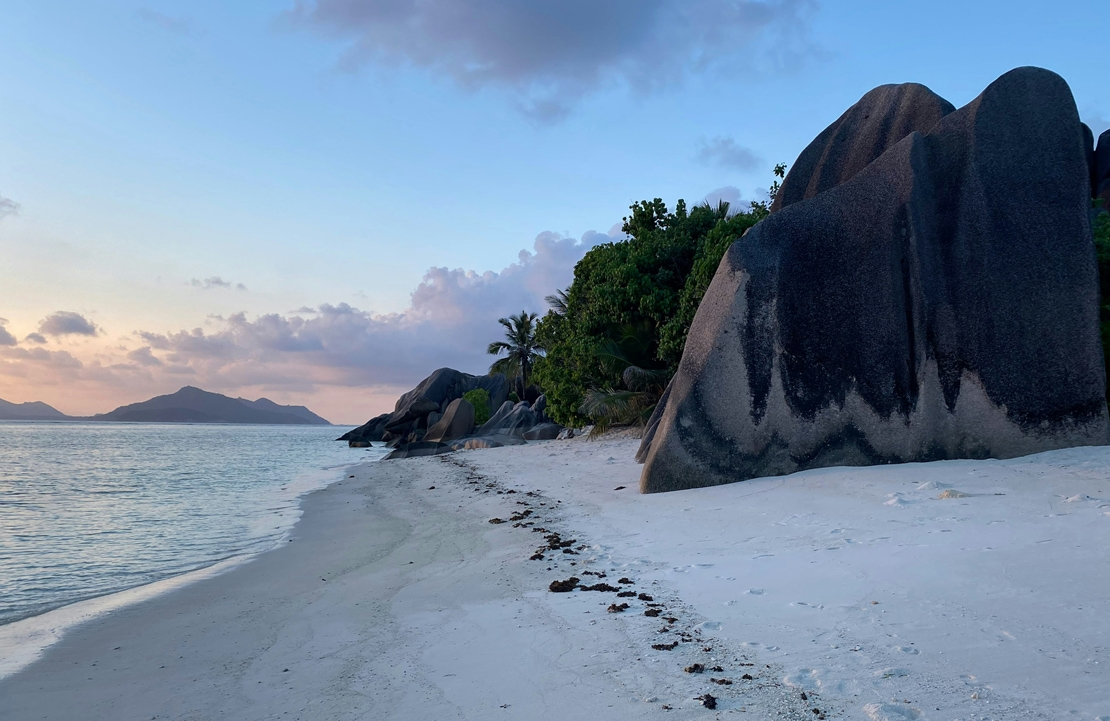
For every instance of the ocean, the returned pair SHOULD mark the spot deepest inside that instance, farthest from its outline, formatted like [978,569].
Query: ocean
[90,509]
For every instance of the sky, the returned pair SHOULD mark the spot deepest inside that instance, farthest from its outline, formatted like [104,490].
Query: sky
[321,202]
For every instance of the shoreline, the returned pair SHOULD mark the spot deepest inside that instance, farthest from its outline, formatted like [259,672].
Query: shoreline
[24,640]
[918,591]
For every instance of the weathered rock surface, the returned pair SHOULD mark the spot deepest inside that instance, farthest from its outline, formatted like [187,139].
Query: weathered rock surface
[372,431]
[865,131]
[495,440]
[941,303]
[417,450]
[511,420]
[432,396]
[543,432]
[457,422]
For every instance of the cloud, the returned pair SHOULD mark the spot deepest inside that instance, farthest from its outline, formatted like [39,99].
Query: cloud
[724,152]
[215,282]
[359,360]
[6,338]
[729,194]
[35,338]
[8,207]
[551,54]
[1097,122]
[67,323]
[452,316]
[169,23]
[144,357]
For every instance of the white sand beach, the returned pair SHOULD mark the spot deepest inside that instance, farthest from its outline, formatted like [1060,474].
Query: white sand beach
[953,590]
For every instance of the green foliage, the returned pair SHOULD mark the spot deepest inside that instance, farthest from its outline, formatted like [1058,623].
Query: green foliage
[649,285]
[520,347]
[633,404]
[479,398]
[514,397]
[1101,227]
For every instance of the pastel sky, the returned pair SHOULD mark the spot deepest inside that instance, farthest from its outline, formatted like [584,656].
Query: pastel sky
[321,202]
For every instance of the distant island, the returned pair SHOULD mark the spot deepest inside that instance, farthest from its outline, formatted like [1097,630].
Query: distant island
[188,405]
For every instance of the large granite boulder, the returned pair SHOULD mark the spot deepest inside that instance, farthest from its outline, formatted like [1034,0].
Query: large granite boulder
[371,431]
[865,131]
[942,303]
[511,420]
[457,422]
[419,408]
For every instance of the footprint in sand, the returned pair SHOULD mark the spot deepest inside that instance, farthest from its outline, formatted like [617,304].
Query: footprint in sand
[907,649]
[891,712]
[892,673]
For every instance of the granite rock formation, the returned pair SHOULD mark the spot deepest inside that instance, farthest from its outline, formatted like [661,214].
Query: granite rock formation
[942,302]
[543,432]
[865,131]
[510,420]
[433,418]
[433,395]
[418,449]
[457,421]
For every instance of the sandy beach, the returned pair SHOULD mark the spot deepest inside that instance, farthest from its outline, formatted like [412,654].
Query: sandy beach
[953,590]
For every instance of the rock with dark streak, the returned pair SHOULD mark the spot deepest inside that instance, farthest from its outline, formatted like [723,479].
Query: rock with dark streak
[942,303]
[865,131]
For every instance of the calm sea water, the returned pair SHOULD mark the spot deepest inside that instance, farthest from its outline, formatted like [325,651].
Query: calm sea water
[87,509]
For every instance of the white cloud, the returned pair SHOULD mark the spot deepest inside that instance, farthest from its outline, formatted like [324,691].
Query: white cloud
[215,282]
[725,152]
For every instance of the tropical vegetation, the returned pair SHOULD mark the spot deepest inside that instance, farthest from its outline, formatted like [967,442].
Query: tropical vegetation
[637,296]
[520,347]
[1101,227]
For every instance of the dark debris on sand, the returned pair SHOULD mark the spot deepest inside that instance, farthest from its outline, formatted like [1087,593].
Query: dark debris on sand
[563,586]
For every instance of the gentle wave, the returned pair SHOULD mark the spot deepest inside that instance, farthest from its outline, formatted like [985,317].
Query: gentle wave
[91,509]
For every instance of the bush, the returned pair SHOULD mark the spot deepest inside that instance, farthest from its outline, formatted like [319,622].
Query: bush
[647,286]
[479,398]
[1101,229]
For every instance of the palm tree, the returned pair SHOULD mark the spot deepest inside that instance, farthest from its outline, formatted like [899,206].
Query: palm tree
[558,302]
[627,352]
[520,347]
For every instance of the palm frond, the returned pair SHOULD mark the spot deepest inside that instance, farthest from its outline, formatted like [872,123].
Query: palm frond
[558,302]
[640,379]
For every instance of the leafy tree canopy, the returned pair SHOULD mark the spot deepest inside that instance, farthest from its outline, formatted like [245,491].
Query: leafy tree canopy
[646,287]
[1101,227]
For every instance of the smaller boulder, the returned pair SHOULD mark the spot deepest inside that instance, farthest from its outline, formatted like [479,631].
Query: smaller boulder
[418,449]
[512,421]
[457,422]
[491,441]
[543,432]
